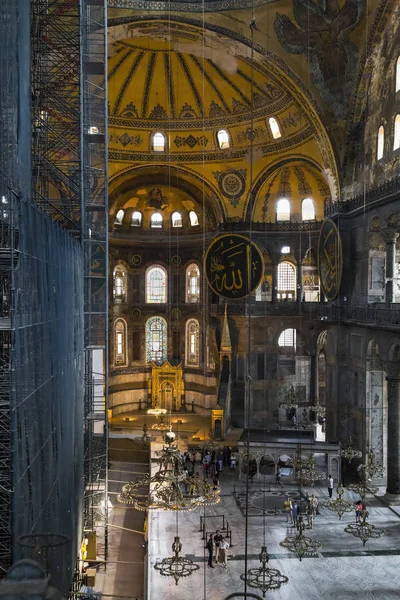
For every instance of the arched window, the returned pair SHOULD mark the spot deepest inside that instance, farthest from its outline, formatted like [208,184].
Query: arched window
[274,127]
[396,139]
[398,75]
[119,217]
[176,219]
[156,221]
[287,339]
[158,142]
[120,342]
[286,281]
[283,210]
[193,218]
[193,284]
[156,285]
[156,340]
[307,210]
[223,139]
[136,220]
[192,342]
[381,143]
[119,284]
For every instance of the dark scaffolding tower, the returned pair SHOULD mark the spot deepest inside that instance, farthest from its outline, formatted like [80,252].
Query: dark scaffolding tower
[69,152]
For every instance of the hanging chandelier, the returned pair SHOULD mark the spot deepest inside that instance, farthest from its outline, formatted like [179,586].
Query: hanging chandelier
[363,530]
[171,488]
[339,505]
[211,445]
[290,399]
[301,544]
[308,473]
[159,414]
[319,410]
[145,439]
[264,578]
[176,566]
[371,467]
[349,452]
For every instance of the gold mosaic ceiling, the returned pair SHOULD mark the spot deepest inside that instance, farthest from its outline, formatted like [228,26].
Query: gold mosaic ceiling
[150,83]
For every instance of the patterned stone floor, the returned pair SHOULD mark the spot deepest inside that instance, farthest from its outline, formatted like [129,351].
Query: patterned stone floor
[343,569]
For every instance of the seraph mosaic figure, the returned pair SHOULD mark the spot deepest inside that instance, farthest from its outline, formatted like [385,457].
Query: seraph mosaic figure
[321,35]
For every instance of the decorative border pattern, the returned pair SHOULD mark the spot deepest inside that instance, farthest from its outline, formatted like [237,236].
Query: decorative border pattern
[184,6]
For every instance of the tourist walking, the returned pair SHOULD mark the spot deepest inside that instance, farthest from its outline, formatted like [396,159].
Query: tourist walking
[314,505]
[287,505]
[330,486]
[310,514]
[295,512]
[359,508]
[210,548]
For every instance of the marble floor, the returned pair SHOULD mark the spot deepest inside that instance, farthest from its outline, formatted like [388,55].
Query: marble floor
[342,570]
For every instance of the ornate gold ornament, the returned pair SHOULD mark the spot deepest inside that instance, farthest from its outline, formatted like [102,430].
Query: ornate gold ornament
[339,505]
[264,578]
[176,566]
[301,544]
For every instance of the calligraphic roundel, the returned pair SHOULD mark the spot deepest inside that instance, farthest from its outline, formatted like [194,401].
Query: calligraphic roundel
[330,259]
[233,266]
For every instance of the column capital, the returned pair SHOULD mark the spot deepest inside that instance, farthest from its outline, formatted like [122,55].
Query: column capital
[390,235]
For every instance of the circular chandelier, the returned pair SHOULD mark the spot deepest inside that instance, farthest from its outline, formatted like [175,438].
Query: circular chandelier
[211,445]
[301,544]
[171,488]
[264,578]
[372,467]
[339,505]
[176,566]
[159,413]
[363,530]
[349,452]
[308,473]
[363,487]
[290,400]
[145,439]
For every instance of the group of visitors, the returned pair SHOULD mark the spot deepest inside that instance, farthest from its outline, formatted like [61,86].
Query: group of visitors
[292,511]
[217,547]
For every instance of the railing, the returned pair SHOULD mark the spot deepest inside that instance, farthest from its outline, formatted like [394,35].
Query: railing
[386,191]
[233,224]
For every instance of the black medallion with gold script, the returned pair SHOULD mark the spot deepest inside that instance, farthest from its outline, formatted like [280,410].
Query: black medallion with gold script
[233,266]
[330,259]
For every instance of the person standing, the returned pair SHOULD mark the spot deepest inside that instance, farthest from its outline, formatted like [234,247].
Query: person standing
[287,505]
[314,505]
[330,486]
[210,548]
[295,512]
[217,540]
[223,555]
[310,514]
[359,508]
[294,420]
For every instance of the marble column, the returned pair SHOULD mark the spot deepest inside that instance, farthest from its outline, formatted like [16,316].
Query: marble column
[391,238]
[393,439]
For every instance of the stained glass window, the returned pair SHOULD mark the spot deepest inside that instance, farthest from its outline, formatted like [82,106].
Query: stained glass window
[158,142]
[119,217]
[307,210]
[156,285]
[120,342]
[193,284]
[176,219]
[194,220]
[381,143]
[287,339]
[273,125]
[192,342]
[396,140]
[223,139]
[119,287]
[156,340]
[283,210]
[286,281]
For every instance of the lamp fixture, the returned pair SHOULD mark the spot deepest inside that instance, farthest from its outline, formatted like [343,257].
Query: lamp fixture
[176,566]
[339,505]
[363,530]
[301,544]
[349,452]
[264,578]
